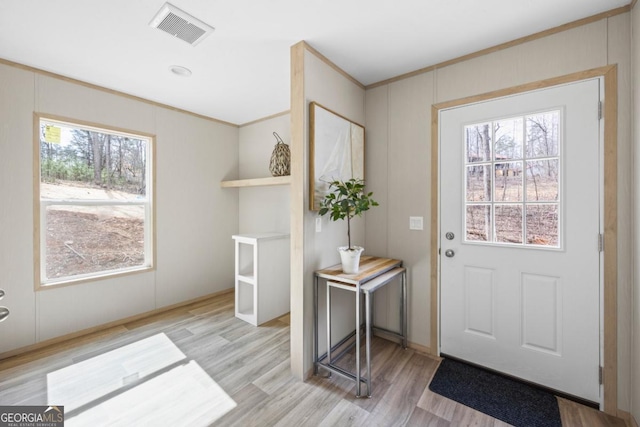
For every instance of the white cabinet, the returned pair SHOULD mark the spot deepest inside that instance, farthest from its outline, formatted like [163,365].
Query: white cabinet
[262,276]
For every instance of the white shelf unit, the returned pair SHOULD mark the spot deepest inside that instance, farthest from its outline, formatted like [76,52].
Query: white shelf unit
[262,276]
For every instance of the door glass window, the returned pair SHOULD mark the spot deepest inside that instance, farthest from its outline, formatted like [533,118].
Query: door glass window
[512,182]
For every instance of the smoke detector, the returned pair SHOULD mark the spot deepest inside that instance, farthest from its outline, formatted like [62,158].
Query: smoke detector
[180,24]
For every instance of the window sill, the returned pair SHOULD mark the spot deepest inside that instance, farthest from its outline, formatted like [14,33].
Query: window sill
[91,278]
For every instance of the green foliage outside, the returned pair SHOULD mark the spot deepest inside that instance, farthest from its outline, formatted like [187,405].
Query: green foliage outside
[95,159]
[54,170]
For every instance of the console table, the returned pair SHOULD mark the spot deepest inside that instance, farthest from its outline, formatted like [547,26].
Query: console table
[374,273]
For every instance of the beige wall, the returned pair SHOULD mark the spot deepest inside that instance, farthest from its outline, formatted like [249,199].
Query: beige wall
[635,351]
[398,170]
[262,209]
[195,217]
[326,86]
[398,161]
[16,213]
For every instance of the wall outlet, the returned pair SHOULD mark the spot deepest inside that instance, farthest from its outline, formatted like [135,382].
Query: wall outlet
[415,223]
[318,225]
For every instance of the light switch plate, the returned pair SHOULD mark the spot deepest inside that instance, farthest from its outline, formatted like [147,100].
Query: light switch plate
[415,223]
[318,225]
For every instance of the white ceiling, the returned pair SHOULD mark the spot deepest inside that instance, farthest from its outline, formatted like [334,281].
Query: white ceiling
[241,71]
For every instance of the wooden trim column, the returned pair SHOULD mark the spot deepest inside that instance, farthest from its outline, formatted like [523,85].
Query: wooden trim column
[297,210]
[610,365]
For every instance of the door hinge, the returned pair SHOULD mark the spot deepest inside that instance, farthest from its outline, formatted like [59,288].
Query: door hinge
[600,374]
[600,242]
[599,110]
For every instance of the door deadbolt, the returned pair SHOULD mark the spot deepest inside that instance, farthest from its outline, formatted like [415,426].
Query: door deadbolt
[449,235]
[449,253]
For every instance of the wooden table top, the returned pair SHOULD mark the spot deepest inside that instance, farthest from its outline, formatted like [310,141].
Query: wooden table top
[370,267]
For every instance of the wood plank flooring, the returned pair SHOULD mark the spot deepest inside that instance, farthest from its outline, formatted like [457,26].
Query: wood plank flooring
[205,362]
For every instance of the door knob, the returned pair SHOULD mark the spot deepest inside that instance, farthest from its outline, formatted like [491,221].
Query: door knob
[449,253]
[4,313]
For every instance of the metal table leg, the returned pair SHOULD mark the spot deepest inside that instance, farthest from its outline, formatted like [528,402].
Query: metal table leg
[315,325]
[404,310]
[367,298]
[329,325]
[358,394]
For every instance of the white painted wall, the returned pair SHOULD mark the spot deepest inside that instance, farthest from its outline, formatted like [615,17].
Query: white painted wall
[16,207]
[398,122]
[402,111]
[195,217]
[324,85]
[635,350]
[263,209]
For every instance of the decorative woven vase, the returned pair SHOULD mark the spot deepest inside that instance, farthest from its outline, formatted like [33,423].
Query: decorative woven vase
[280,164]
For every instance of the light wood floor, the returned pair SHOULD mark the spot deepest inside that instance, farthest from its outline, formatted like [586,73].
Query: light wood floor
[201,361]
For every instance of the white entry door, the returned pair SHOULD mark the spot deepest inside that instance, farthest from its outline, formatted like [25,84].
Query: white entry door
[520,225]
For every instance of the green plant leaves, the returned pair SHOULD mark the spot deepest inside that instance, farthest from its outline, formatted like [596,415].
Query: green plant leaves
[346,200]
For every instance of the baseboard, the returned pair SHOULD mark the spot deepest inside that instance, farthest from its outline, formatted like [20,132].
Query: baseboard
[106,326]
[627,417]
[308,374]
[420,348]
[412,345]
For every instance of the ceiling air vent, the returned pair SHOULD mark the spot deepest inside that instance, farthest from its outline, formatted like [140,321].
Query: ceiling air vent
[180,24]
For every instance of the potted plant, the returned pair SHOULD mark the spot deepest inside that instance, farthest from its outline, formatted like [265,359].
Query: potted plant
[347,199]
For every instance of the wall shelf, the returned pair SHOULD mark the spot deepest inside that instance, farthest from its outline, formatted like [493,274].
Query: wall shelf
[257,182]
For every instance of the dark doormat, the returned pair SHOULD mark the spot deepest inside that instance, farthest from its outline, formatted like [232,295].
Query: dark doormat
[509,400]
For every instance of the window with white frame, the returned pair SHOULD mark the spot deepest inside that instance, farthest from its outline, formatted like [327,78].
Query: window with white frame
[95,215]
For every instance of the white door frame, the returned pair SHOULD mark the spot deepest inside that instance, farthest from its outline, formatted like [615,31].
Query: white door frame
[610,116]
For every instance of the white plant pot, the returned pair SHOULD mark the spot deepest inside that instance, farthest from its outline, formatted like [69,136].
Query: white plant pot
[350,258]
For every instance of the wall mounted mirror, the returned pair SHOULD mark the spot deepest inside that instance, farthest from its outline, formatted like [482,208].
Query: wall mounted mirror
[336,151]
